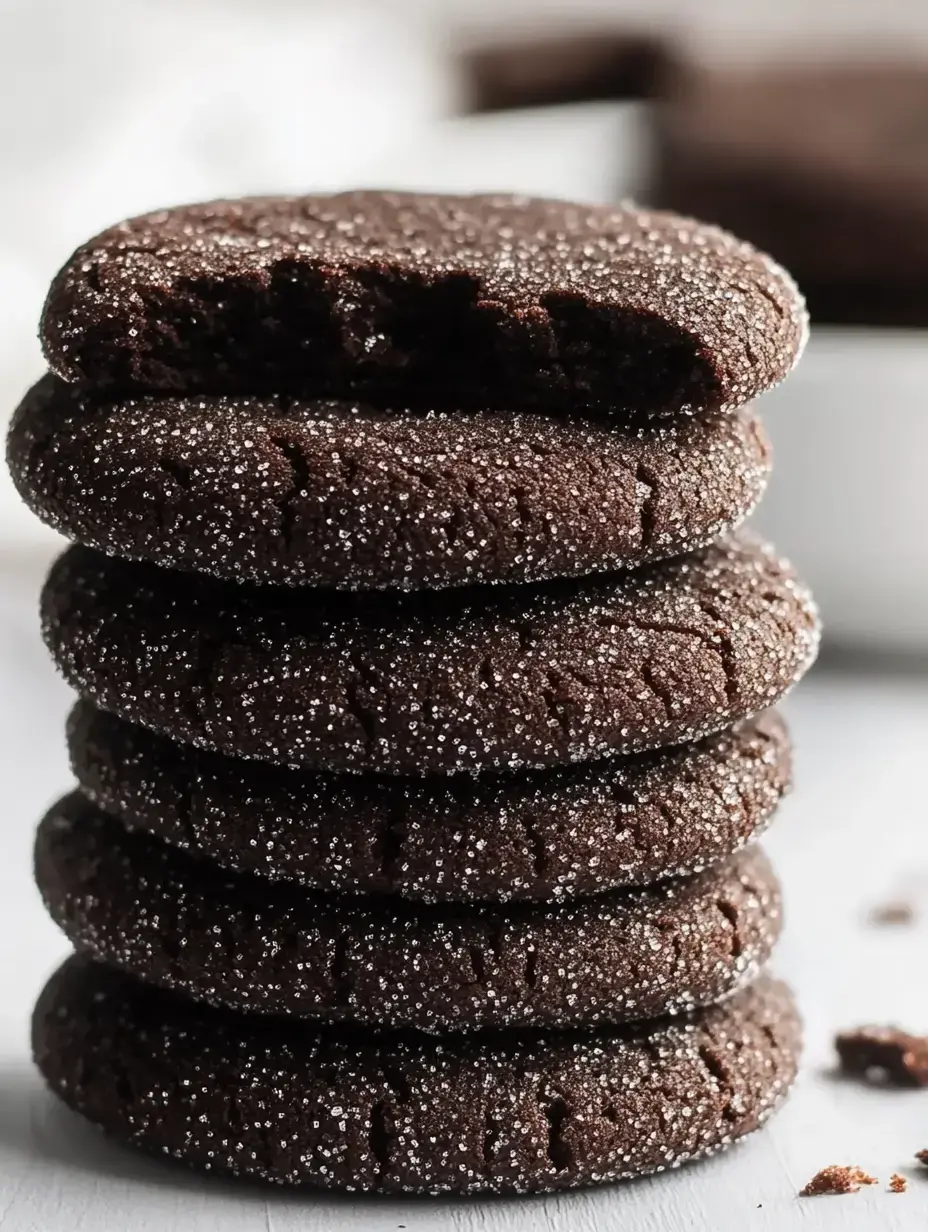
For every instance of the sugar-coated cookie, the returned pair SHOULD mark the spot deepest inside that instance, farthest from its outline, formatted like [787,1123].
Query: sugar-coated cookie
[269,489]
[552,834]
[473,679]
[242,942]
[499,1113]
[475,300]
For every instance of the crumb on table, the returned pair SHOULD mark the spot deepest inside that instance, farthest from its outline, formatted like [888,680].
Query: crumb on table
[897,1183]
[837,1179]
[895,1056]
[922,1157]
[899,912]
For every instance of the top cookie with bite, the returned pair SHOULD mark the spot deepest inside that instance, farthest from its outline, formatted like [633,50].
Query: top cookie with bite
[470,300]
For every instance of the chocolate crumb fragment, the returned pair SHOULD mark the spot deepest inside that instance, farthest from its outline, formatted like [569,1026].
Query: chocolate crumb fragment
[885,1053]
[897,1183]
[893,913]
[837,1179]
[922,1157]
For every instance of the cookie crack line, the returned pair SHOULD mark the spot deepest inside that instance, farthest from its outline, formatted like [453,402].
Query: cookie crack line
[718,642]
[298,487]
[557,1114]
[646,477]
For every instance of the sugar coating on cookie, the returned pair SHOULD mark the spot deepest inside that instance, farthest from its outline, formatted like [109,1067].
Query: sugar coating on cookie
[274,489]
[515,1113]
[239,941]
[552,834]
[483,300]
[465,680]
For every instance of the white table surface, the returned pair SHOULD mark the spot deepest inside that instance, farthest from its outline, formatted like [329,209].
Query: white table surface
[853,834]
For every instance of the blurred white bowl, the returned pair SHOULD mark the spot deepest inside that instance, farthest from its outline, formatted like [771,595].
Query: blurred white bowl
[848,502]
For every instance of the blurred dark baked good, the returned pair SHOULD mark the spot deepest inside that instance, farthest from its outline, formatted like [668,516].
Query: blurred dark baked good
[823,165]
[565,68]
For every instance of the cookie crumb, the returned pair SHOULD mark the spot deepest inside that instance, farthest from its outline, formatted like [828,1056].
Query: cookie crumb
[922,1157]
[884,1053]
[899,913]
[837,1179]
[897,1183]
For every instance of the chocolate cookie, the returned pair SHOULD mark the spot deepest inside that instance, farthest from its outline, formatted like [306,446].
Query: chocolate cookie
[553,834]
[320,493]
[240,941]
[435,680]
[427,300]
[508,1113]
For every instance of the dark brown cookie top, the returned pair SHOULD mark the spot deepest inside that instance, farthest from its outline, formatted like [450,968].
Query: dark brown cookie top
[441,681]
[508,1113]
[240,941]
[482,300]
[270,489]
[548,835]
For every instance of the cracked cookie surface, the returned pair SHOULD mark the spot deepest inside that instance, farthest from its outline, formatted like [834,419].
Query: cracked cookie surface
[272,489]
[238,941]
[472,679]
[554,834]
[490,1113]
[478,300]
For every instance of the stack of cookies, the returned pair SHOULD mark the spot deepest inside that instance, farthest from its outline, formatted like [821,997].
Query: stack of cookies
[424,720]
